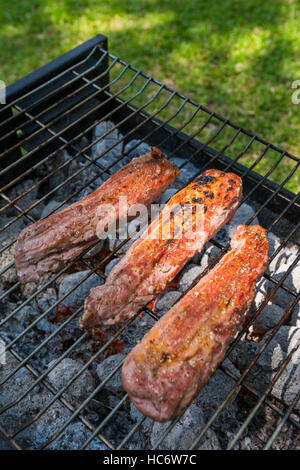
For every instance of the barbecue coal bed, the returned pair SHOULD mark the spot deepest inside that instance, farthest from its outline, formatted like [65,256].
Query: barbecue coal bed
[63,130]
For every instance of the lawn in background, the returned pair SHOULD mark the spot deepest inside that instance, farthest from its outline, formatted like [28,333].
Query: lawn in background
[237,57]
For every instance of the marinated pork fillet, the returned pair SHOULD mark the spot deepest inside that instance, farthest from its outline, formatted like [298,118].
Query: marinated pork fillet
[162,250]
[168,368]
[46,246]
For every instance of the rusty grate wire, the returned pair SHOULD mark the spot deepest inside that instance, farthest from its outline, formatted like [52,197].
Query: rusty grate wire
[100,87]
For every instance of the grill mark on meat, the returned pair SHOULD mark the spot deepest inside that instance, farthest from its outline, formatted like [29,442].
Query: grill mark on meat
[196,332]
[164,357]
[152,262]
[204,179]
[197,200]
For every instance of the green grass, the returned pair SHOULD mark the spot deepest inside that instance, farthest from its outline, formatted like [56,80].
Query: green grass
[237,57]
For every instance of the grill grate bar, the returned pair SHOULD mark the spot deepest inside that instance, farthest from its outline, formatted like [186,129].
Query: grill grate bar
[261,400]
[67,163]
[265,301]
[43,126]
[184,143]
[93,394]
[61,399]
[58,395]
[191,180]
[62,184]
[81,134]
[22,111]
[207,111]
[51,139]
[267,401]
[104,422]
[274,280]
[12,441]
[48,82]
[42,376]
[41,317]
[245,373]
[283,421]
[18,208]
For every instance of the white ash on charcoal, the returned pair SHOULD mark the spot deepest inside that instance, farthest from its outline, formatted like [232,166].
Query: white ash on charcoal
[189,426]
[282,256]
[52,204]
[33,337]
[77,433]
[46,299]
[282,297]
[268,318]
[10,233]
[57,182]
[4,444]
[189,274]
[262,288]
[289,338]
[105,161]
[187,172]
[163,199]
[27,200]
[270,361]
[242,354]
[208,255]
[185,431]
[110,156]
[106,367]
[22,319]
[288,384]
[9,277]
[76,298]
[55,161]
[63,372]
[295,317]
[110,265]
[23,412]
[134,229]
[141,438]
[134,149]
[182,435]
[213,394]
[166,301]
[242,215]
[215,391]
[134,332]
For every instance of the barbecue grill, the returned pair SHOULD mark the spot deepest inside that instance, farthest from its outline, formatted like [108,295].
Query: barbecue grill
[56,109]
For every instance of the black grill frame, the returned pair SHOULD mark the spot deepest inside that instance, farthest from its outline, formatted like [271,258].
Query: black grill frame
[88,67]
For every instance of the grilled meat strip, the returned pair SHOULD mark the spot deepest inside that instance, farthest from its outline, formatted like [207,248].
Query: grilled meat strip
[163,249]
[175,359]
[46,246]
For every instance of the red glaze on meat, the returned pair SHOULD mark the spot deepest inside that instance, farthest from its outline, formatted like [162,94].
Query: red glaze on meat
[46,246]
[172,363]
[162,250]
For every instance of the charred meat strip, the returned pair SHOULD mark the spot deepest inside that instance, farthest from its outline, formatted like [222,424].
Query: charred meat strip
[168,368]
[46,246]
[190,218]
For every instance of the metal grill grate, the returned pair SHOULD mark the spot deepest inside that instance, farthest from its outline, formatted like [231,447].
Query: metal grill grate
[54,110]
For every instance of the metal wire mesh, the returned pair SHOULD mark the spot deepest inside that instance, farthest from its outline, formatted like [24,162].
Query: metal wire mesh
[43,123]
